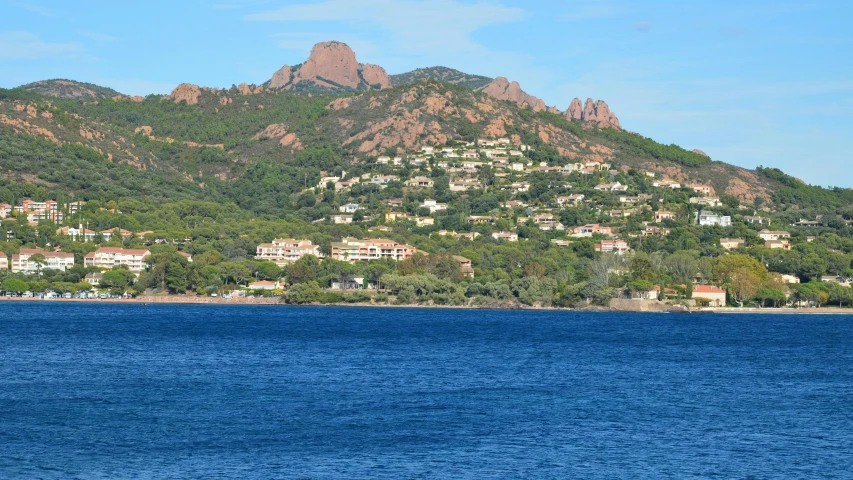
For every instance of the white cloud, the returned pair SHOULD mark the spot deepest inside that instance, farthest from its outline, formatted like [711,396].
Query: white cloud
[37,9]
[101,37]
[427,29]
[581,10]
[412,34]
[26,46]
[643,26]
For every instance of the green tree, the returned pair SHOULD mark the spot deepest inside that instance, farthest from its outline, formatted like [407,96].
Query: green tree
[268,271]
[40,260]
[303,270]
[15,285]
[305,292]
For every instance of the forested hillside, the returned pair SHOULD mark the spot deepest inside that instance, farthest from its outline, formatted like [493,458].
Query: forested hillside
[538,203]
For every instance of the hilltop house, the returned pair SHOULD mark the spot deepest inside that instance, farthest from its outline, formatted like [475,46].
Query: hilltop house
[570,199]
[420,182]
[772,244]
[618,247]
[350,208]
[706,218]
[611,187]
[664,215]
[773,235]
[590,230]
[433,206]
[508,236]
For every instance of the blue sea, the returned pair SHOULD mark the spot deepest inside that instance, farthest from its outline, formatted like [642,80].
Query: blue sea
[106,391]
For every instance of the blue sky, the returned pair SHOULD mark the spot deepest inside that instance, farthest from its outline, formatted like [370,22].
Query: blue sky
[749,82]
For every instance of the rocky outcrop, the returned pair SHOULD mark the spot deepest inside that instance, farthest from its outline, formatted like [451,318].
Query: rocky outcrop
[331,62]
[700,152]
[186,92]
[595,112]
[281,77]
[374,75]
[332,66]
[502,89]
[575,111]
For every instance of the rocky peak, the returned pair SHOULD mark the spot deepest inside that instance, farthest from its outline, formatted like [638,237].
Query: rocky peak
[593,111]
[502,89]
[575,110]
[186,92]
[331,66]
[374,75]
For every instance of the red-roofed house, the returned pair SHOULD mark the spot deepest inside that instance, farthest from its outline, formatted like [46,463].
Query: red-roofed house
[716,295]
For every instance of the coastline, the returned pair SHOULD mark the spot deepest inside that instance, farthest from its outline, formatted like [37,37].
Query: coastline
[198,300]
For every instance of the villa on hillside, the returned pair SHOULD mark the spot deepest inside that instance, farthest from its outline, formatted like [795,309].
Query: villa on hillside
[508,236]
[618,247]
[773,235]
[706,219]
[590,230]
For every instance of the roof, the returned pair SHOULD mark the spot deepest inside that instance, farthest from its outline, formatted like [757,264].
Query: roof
[125,251]
[707,289]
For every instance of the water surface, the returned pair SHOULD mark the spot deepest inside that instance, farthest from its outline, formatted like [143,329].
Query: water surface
[128,391]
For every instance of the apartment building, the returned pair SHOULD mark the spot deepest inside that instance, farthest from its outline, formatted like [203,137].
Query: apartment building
[353,249]
[286,250]
[109,257]
[22,261]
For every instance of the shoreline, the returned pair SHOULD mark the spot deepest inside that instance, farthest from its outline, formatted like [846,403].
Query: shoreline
[197,300]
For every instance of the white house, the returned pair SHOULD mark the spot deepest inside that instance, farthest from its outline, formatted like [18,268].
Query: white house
[706,218]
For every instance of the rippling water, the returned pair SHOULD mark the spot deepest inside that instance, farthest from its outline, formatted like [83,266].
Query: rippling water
[128,391]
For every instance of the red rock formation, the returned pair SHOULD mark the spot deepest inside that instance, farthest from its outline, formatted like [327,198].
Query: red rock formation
[331,65]
[281,77]
[596,112]
[589,111]
[575,110]
[374,75]
[502,89]
[186,92]
[333,61]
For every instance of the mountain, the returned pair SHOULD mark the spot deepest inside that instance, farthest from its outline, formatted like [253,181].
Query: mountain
[442,74]
[331,66]
[69,89]
[258,146]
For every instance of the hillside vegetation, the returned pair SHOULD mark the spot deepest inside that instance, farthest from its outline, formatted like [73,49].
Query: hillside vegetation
[436,165]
